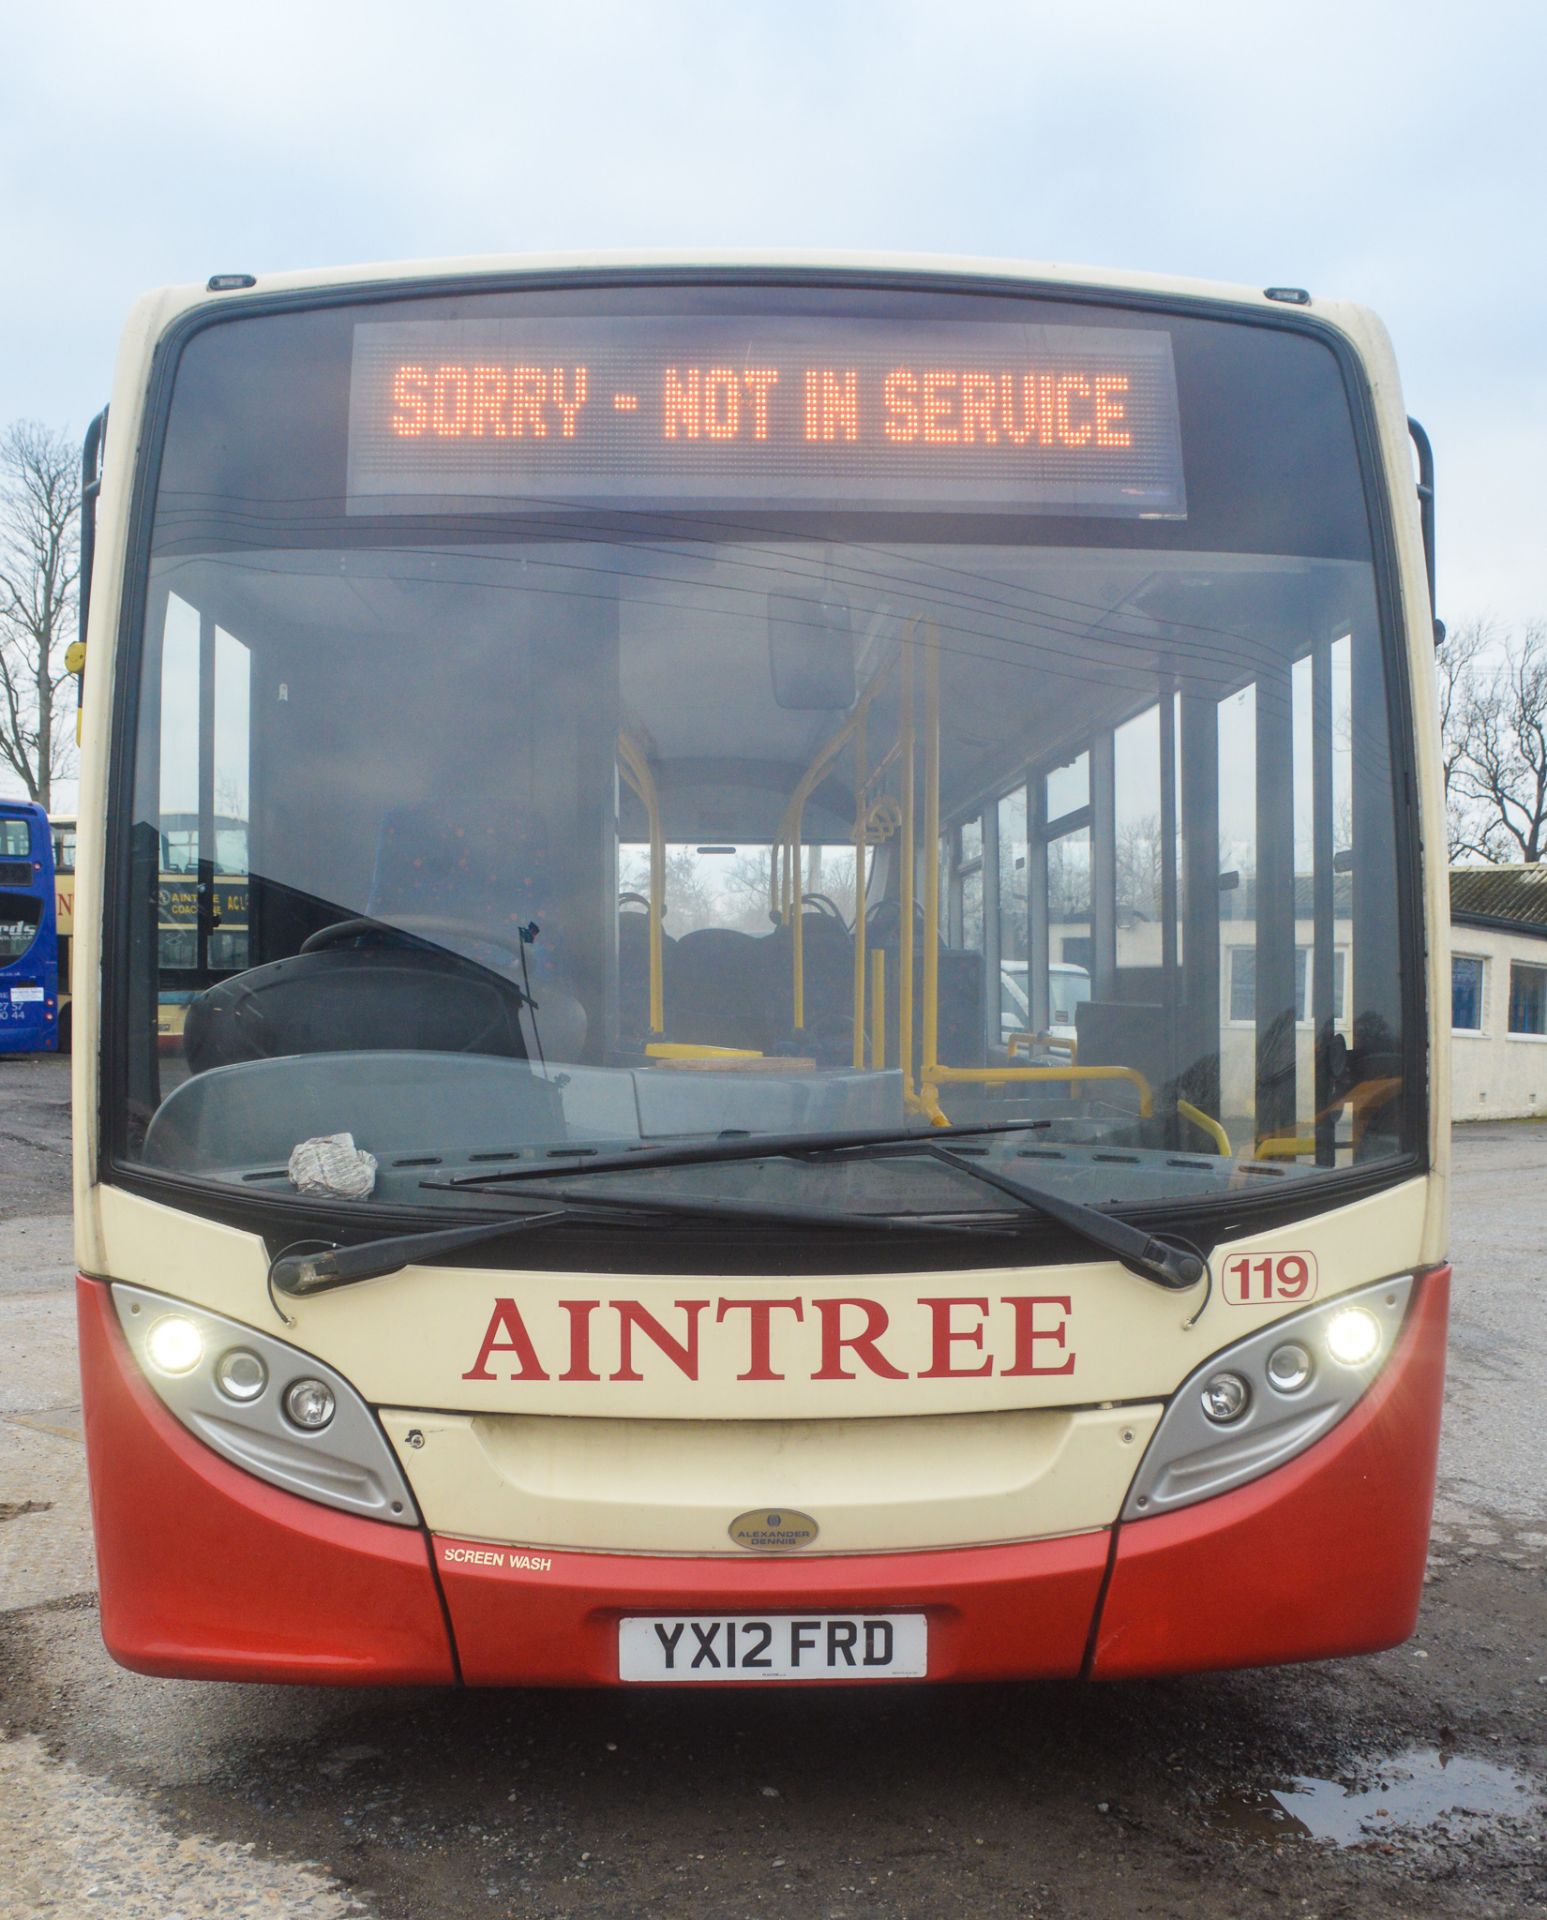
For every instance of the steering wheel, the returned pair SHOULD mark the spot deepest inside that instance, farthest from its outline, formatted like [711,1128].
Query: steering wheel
[633,900]
[415,929]
[826,906]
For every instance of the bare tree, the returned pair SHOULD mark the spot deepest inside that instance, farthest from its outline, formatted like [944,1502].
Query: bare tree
[1497,781]
[1460,663]
[40,500]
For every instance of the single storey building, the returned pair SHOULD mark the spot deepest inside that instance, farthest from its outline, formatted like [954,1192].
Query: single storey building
[1498,992]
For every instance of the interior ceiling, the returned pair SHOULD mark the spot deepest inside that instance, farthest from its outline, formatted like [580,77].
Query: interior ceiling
[1037,646]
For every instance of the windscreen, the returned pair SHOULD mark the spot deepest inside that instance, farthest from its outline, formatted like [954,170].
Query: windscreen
[573,720]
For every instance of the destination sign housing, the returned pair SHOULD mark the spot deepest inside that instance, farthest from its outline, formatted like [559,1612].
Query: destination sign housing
[488,415]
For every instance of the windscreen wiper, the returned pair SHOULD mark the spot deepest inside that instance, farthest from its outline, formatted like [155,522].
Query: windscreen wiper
[771,1212]
[1175,1267]
[303,1274]
[737,1146]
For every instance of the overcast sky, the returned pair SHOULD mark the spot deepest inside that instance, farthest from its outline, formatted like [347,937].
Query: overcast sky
[1390,153]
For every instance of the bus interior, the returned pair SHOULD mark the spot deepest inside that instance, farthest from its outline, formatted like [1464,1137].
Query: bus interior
[712,835]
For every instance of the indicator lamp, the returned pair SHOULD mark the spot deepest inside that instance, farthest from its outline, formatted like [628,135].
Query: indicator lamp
[174,1344]
[309,1404]
[1225,1397]
[1290,1367]
[240,1374]
[1353,1336]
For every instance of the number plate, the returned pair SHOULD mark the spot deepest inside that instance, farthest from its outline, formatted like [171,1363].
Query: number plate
[776,1646]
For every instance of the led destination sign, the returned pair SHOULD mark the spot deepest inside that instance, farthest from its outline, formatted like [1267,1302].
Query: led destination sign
[1017,418]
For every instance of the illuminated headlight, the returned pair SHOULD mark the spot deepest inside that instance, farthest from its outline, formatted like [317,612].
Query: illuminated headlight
[309,1403]
[1225,1397]
[174,1344]
[240,1374]
[1353,1337]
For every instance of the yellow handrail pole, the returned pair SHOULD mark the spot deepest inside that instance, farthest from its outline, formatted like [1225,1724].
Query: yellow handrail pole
[798,937]
[909,855]
[878,1008]
[1206,1123]
[931,1035]
[636,770]
[861,828]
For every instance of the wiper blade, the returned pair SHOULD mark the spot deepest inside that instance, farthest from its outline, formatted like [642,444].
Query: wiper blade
[709,1207]
[744,1146]
[303,1274]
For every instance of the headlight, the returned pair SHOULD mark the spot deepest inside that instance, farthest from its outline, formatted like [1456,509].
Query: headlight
[310,1404]
[1290,1367]
[1264,1399]
[240,1374]
[174,1344]
[1353,1337]
[1225,1397]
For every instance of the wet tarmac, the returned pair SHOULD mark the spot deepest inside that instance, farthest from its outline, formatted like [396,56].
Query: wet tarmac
[1410,1784]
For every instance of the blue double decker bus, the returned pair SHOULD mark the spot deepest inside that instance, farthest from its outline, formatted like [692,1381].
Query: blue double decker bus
[29,934]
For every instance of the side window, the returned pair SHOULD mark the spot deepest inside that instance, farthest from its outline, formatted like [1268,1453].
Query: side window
[1466,994]
[1527,998]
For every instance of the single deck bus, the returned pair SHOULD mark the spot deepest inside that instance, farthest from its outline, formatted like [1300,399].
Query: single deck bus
[29,941]
[613,727]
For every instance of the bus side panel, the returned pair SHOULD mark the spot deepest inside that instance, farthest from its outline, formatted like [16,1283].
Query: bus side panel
[1020,1611]
[1322,1557]
[208,1573]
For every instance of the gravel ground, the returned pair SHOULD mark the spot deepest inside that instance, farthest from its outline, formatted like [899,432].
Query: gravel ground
[1409,1784]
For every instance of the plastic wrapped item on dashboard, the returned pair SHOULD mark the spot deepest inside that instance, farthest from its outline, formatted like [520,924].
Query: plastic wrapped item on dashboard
[331,1166]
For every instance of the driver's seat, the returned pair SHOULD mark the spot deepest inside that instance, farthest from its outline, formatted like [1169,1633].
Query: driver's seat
[363,997]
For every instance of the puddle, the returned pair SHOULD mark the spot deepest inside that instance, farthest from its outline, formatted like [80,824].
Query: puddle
[1420,1794]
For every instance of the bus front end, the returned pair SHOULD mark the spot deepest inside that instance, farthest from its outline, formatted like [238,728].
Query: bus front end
[753,1007]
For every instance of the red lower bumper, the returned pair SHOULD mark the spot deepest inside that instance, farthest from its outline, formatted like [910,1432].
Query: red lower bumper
[995,1613]
[207,1571]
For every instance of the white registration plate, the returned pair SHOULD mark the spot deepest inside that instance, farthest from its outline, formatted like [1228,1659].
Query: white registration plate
[774,1646]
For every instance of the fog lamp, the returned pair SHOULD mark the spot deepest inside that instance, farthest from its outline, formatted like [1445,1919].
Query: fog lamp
[174,1344]
[1225,1397]
[1353,1336]
[309,1403]
[1290,1367]
[240,1374]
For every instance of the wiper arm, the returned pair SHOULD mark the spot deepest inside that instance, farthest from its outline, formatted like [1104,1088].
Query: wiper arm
[1153,1259]
[744,1146]
[303,1274]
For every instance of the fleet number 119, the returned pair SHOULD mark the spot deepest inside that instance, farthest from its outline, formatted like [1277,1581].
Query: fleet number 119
[1252,1279]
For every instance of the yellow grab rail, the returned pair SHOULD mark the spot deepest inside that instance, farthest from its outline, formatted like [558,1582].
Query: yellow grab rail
[1206,1123]
[636,771]
[1007,1076]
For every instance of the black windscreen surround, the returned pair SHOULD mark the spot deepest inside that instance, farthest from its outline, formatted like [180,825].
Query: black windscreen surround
[272,397]
[767,757]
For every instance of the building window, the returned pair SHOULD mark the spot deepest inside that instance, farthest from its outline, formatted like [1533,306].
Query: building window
[1527,998]
[1466,994]
[1243,983]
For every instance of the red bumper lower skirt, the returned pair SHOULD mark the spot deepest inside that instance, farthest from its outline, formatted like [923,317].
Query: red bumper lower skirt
[207,1571]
